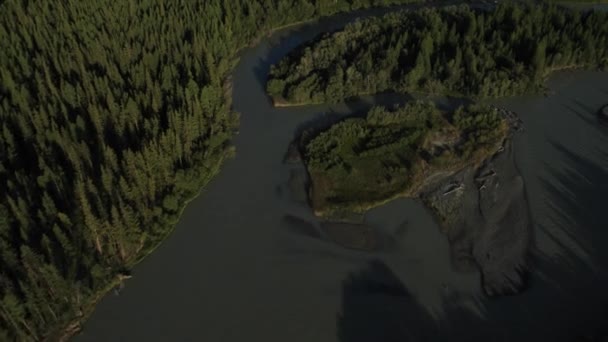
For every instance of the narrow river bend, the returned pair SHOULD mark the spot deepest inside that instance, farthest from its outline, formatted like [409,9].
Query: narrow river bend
[246,264]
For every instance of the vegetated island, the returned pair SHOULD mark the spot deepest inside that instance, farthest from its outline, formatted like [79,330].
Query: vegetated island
[360,163]
[483,210]
[458,162]
[457,51]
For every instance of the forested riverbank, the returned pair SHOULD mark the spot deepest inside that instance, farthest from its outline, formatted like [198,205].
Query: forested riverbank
[457,51]
[113,115]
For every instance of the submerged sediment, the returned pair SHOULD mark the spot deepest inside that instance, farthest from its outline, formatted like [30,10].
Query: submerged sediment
[484,213]
[351,235]
[481,208]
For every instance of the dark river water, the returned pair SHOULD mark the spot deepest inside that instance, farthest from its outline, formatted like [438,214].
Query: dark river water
[248,262]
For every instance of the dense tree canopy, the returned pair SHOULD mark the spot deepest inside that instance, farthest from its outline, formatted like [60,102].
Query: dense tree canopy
[112,115]
[454,50]
[361,162]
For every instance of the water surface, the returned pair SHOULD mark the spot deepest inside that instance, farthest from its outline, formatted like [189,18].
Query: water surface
[248,261]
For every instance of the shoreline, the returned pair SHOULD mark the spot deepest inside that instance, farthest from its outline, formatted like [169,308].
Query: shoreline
[75,325]
[415,192]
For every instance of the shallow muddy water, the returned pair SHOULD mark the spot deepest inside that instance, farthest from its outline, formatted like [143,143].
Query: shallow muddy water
[248,261]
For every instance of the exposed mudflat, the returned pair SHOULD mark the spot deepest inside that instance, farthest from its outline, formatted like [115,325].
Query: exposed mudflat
[485,214]
[483,211]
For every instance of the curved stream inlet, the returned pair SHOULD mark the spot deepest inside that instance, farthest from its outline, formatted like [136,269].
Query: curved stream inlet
[246,264]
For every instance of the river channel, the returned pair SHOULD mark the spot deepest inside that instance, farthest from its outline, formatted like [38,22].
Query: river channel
[249,262]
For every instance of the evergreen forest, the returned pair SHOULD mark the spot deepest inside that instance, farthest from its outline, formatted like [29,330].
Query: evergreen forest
[113,114]
[456,50]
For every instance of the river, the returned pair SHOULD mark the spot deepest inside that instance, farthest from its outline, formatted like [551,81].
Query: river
[248,262]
